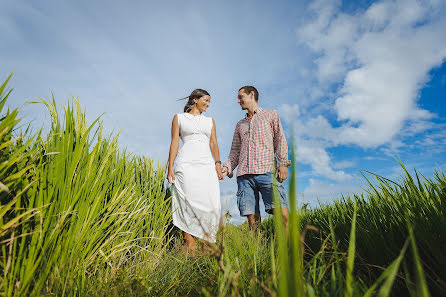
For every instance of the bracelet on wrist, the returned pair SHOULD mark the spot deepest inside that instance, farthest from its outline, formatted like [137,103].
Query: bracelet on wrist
[217,162]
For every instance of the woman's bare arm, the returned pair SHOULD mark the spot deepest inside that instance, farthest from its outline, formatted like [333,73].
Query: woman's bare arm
[174,145]
[215,151]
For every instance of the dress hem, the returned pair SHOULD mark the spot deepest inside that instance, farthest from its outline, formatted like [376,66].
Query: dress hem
[194,234]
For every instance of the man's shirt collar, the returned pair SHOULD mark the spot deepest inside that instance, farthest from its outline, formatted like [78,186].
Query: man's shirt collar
[258,110]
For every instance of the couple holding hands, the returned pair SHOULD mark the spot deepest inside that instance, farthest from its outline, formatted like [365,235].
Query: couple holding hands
[259,149]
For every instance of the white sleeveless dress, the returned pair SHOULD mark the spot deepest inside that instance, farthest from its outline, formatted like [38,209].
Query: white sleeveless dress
[196,190]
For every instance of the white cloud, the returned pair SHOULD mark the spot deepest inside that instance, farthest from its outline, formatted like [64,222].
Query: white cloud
[312,138]
[371,158]
[435,142]
[289,112]
[381,57]
[378,59]
[344,164]
[314,154]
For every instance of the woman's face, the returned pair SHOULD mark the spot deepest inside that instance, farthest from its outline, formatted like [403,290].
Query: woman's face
[203,103]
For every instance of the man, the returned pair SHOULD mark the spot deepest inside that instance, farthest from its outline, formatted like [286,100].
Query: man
[258,140]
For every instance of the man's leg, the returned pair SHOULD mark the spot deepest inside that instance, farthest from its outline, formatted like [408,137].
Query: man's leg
[248,200]
[285,218]
[254,221]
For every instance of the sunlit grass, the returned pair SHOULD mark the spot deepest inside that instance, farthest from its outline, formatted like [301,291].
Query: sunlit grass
[80,217]
[74,205]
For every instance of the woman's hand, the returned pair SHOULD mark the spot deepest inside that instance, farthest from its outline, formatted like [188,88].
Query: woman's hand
[170,175]
[219,171]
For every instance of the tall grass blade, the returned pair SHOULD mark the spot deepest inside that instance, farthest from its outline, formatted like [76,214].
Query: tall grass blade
[351,257]
[422,289]
[296,279]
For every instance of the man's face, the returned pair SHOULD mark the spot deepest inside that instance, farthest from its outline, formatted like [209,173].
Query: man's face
[244,99]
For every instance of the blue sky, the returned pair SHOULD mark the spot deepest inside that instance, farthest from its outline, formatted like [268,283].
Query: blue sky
[362,82]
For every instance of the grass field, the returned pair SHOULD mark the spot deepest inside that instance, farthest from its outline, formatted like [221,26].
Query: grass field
[80,217]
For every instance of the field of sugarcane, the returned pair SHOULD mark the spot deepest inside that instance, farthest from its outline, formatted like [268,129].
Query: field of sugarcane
[81,217]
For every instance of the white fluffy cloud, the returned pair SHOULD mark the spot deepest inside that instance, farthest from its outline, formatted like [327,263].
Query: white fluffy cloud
[376,61]
[316,156]
[313,136]
[381,58]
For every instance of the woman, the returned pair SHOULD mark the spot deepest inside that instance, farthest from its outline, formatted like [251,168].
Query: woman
[196,190]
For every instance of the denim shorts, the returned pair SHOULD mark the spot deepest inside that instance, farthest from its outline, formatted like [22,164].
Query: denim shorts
[249,188]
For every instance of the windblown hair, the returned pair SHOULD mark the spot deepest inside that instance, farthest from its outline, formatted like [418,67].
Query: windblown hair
[249,89]
[196,94]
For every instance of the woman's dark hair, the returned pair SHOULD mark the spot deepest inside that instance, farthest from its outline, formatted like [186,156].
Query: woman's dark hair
[196,94]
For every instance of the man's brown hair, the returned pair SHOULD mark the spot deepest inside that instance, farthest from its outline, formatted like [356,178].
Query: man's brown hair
[249,89]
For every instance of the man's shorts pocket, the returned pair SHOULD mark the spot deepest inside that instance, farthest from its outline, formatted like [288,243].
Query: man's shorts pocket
[240,195]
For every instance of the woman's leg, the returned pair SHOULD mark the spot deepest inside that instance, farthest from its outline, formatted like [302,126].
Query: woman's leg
[189,240]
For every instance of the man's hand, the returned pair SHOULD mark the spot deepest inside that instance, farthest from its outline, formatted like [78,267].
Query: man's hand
[282,174]
[225,172]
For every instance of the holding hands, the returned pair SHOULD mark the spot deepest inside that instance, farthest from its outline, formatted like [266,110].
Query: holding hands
[226,172]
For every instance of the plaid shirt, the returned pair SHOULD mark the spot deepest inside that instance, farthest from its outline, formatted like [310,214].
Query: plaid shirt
[256,143]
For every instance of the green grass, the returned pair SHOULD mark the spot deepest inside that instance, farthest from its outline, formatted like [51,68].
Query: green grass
[74,206]
[80,217]
[382,223]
